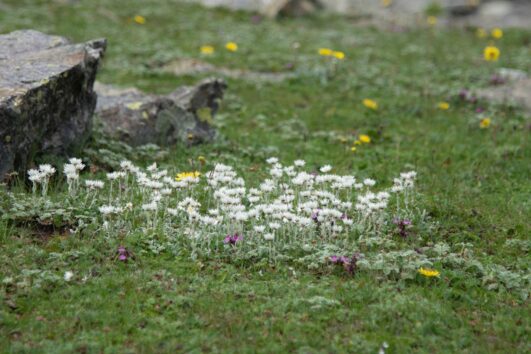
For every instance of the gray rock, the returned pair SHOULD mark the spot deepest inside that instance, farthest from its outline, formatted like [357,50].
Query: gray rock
[137,118]
[46,95]
[517,92]
[269,8]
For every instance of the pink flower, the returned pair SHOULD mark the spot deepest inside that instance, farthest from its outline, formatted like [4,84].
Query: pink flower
[231,240]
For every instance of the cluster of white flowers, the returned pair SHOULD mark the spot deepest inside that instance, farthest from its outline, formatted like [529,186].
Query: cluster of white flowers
[290,205]
[71,171]
[41,176]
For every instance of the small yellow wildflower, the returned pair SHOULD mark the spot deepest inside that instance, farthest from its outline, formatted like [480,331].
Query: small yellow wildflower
[491,53]
[431,20]
[443,106]
[231,47]
[485,123]
[139,19]
[353,149]
[202,160]
[357,142]
[481,33]
[325,52]
[371,104]
[207,49]
[190,136]
[338,55]
[364,138]
[496,33]
[386,3]
[187,175]
[429,272]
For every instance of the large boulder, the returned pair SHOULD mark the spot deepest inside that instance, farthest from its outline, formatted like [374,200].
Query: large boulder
[46,95]
[137,118]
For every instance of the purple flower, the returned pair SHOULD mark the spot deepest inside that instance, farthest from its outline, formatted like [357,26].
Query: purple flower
[402,226]
[348,263]
[123,254]
[232,239]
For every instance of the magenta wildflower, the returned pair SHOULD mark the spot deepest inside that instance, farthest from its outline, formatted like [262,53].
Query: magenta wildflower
[232,239]
[123,254]
[349,263]
[402,226]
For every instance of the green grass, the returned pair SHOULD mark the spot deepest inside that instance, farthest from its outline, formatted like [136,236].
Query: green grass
[474,183]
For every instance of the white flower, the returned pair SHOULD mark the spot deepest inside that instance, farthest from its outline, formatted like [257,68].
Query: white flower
[93,184]
[259,229]
[326,168]
[68,275]
[272,160]
[269,237]
[299,163]
[369,182]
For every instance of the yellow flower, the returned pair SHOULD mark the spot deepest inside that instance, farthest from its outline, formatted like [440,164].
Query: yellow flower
[429,272]
[431,20]
[491,53]
[202,160]
[497,33]
[371,104]
[325,52]
[338,55]
[207,49]
[485,123]
[443,106]
[231,46]
[139,19]
[481,33]
[187,175]
[353,149]
[364,138]
[386,3]
[357,142]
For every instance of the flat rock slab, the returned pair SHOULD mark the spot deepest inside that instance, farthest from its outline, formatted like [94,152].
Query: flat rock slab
[187,66]
[46,95]
[517,91]
[137,118]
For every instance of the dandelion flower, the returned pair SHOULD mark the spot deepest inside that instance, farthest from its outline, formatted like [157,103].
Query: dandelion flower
[187,175]
[371,104]
[484,123]
[443,106]
[491,53]
[207,49]
[497,33]
[231,47]
[429,272]
[326,52]
[338,55]
[431,20]
[353,149]
[139,19]
[364,138]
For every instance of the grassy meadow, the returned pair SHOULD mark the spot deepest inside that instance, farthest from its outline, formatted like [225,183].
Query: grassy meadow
[67,291]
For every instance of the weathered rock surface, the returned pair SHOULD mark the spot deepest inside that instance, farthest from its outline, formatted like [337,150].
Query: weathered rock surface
[138,118]
[46,95]
[484,13]
[269,8]
[514,88]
